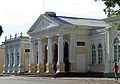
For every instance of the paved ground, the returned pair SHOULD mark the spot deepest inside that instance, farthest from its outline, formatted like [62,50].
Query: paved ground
[48,80]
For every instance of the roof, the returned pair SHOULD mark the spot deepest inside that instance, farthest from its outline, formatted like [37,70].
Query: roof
[63,20]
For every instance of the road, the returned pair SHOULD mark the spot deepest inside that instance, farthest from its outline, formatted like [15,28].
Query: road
[39,80]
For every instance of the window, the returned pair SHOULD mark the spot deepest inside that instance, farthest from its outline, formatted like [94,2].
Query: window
[80,43]
[100,54]
[7,59]
[18,55]
[12,59]
[37,57]
[93,54]
[116,50]
[27,50]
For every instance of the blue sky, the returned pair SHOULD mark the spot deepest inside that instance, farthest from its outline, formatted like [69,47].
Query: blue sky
[18,15]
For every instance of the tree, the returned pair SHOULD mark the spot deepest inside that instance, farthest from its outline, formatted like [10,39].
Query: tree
[1,30]
[112,7]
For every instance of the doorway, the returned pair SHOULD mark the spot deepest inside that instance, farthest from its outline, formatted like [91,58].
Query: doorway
[81,63]
[55,57]
[66,57]
[45,57]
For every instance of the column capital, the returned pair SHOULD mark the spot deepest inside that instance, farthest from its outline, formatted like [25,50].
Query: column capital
[72,35]
[30,39]
[60,34]
[49,36]
[39,39]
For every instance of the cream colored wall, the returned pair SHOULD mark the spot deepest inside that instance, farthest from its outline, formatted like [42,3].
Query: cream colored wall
[25,56]
[1,59]
[97,68]
[82,50]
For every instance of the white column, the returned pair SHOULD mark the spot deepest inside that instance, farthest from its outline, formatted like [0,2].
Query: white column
[60,53]
[9,60]
[72,53]
[5,60]
[40,55]
[49,62]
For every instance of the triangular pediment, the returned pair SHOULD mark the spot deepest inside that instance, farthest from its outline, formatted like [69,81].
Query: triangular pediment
[42,23]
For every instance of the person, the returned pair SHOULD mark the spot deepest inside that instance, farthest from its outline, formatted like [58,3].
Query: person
[116,68]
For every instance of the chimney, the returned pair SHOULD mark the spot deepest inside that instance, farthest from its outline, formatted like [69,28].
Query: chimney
[51,14]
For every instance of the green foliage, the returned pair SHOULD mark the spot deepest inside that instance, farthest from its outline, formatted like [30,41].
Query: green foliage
[1,30]
[116,25]
[110,7]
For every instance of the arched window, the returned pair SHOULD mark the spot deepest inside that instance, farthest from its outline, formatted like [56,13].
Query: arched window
[93,54]
[100,54]
[18,56]
[12,59]
[7,59]
[116,50]
[116,41]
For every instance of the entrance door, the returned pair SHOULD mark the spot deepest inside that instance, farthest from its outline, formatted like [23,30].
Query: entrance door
[80,62]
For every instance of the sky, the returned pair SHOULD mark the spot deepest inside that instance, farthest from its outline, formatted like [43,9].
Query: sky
[18,16]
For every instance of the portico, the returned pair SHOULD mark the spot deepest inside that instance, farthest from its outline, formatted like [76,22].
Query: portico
[53,52]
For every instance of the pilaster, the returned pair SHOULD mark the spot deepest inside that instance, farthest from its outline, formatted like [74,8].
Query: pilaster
[108,57]
[72,53]
[5,60]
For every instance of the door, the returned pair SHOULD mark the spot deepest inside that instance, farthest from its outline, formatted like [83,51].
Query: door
[81,63]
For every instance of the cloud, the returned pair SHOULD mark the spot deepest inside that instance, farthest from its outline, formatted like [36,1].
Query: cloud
[18,15]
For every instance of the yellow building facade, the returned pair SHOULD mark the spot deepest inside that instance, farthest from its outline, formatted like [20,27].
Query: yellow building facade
[2,52]
[70,44]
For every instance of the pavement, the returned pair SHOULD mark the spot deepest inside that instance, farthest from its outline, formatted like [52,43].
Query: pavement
[60,80]
[64,80]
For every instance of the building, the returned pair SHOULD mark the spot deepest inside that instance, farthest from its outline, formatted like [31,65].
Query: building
[16,54]
[70,44]
[1,57]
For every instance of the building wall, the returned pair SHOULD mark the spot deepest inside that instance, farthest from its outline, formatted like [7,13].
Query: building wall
[82,50]
[96,39]
[1,58]
[15,48]
[25,57]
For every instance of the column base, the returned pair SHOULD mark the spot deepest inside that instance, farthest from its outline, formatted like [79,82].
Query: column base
[4,72]
[60,67]
[21,68]
[40,68]
[32,68]
[4,69]
[49,68]
[14,68]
